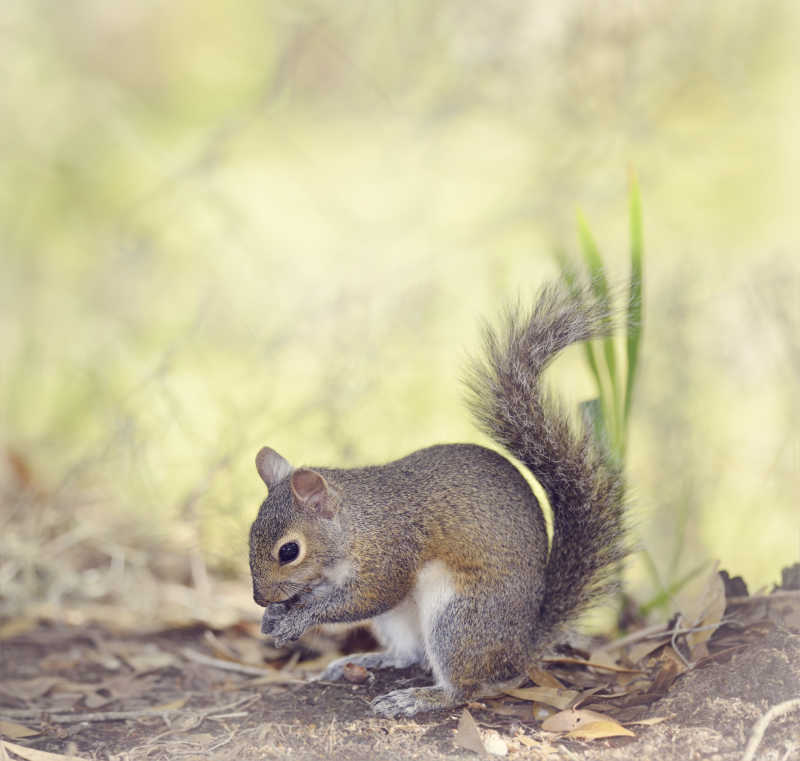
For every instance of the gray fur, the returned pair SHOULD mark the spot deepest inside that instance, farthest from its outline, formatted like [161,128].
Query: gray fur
[466,512]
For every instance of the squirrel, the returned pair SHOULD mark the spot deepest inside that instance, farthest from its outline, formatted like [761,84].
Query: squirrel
[446,549]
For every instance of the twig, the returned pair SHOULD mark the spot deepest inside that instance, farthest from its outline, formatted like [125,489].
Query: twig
[674,642]
[655,631]
[72,718]
[790,749]
[761,725]
[776,595]
[660,631]
[272,674]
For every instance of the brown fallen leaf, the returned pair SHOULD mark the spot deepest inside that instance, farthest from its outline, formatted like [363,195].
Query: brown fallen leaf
[566,721]
[671,668]
[150,659]
[604,658]
[16,731]
[119,688]
[639,650]
[173,705]
[592,664]
[560,698]
[16,626]
[265,674]
[31,689]
[544,678]
[468,735]
[596,730]
[651,721]
[219,649]
[705,612]
[31,754]
[542,711]
[505,708]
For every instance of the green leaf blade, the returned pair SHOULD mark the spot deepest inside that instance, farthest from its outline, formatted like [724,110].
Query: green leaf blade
[635,295]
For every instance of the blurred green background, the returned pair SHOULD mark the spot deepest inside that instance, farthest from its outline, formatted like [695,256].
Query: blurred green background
[232,224]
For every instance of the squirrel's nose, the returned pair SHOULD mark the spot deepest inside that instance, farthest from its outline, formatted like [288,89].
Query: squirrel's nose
[259,597]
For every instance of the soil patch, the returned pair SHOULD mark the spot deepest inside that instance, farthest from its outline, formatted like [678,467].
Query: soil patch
[98,694]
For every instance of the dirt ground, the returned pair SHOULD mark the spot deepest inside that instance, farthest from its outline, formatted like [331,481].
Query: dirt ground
[98,694]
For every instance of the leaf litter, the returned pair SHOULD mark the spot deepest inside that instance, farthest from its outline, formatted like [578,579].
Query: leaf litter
[191,691]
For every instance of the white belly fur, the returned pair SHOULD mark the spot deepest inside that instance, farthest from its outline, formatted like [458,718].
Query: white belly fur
[405,629]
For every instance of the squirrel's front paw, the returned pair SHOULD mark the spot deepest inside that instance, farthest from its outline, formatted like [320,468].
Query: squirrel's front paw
[289,627]
[273,613]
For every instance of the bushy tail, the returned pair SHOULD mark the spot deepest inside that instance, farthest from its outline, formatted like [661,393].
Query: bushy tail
[583,483]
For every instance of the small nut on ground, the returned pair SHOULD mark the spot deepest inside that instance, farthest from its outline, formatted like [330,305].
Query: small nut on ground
[355,674]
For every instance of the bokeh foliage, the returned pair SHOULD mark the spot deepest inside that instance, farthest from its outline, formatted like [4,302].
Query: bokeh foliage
[225,225]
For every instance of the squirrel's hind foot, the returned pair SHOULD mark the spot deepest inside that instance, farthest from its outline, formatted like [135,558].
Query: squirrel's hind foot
[411,701]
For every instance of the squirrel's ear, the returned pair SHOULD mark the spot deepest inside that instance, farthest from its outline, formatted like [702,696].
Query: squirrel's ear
[272,467]
[311,492]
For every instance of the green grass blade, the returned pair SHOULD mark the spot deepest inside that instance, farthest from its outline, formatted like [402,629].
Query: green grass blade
[634,336]
[591,360]
[655,578]
[568,270]
[663,598]
[593,419]
[570,275]
[594,264]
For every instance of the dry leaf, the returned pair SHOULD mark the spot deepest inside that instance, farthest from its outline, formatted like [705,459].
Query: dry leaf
[603,658]
[203,739]
[705,611]
[650,722]
[173,705]
[218,648]
[544,678]
[264,675]
[542,711]
[468,735]
[503,708]
[592,664]
[63,661]
[151,660]
[31,689]
[639,650]
[596,730]
[553,696]
[16,731]
[16,626]
[671,669]
[566,721]
[31,754]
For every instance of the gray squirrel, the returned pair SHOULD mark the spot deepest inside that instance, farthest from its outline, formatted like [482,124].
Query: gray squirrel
[445,550]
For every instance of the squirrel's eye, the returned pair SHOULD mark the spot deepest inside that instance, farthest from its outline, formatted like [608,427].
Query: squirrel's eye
[288,552]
